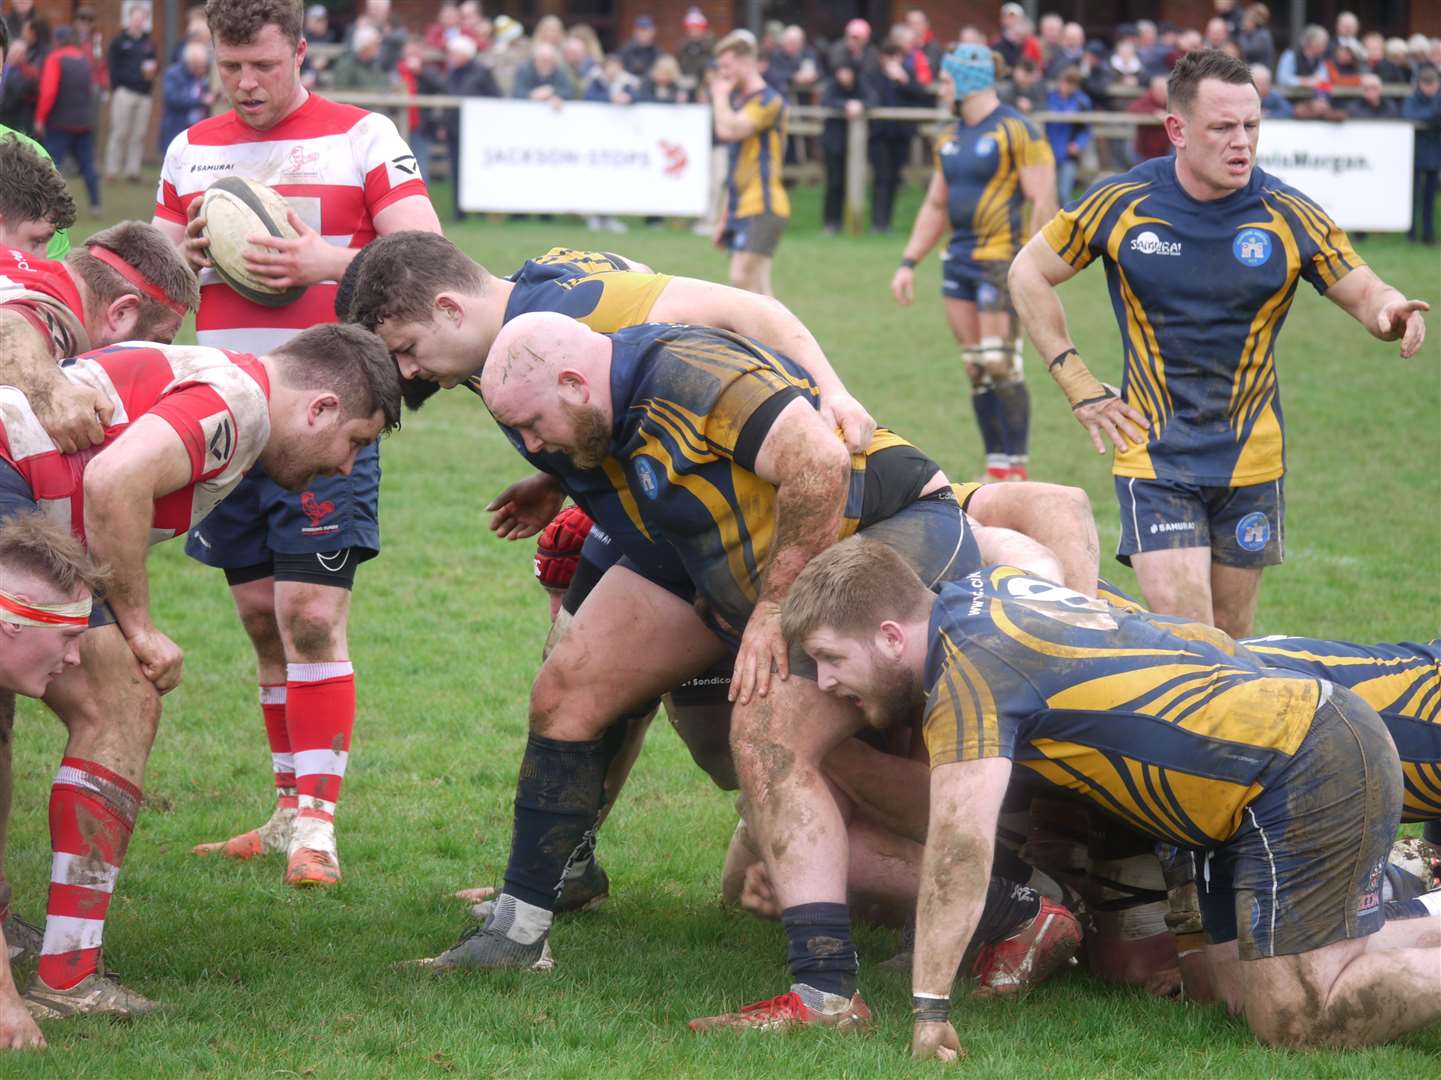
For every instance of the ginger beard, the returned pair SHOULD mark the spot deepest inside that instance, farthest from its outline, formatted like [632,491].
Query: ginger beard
[590,443]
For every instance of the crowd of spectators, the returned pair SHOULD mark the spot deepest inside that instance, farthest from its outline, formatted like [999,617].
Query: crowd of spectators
[1052,66]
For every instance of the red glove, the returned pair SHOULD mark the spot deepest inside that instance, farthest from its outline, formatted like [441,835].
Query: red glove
[557,548]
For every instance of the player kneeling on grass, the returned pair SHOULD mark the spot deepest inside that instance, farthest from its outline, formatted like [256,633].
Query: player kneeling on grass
[1289,786]
[47,586]
[186,423]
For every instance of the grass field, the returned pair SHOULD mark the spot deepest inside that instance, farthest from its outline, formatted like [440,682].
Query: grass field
[262,981]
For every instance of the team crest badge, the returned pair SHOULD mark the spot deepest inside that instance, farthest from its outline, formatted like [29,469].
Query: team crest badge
[645,473]
[1252,247]
[985,145]
[1253,531]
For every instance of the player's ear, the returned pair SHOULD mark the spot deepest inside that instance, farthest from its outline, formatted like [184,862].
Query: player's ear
[123,316]
[1176,128]
[891,639]
[449,307]
[574,386]
[323,408]
[300,49]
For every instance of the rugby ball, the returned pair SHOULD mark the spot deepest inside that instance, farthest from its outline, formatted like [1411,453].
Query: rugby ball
[235,209]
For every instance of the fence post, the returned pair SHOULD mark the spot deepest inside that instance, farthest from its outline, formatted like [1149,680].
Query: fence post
[857,135]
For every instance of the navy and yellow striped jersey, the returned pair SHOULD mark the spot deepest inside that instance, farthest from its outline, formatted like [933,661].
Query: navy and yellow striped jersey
[753,168]
[1162,729]
[1200,291]
[1401,682]
[693,406]
[982,166]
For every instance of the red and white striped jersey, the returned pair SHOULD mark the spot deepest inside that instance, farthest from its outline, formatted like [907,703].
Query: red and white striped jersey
[43,293]
[217,402]
[337,165]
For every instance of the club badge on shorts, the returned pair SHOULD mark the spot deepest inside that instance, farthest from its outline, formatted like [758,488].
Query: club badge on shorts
[1253,531]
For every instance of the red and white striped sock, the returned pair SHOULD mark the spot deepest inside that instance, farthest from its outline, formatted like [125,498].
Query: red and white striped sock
[320,712]
[92,814]
[282,761]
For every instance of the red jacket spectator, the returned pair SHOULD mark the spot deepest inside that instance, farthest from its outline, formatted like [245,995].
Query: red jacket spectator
[67,91]
[1151,139]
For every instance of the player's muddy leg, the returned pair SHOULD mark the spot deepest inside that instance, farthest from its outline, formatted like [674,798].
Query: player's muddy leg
[1003,366]
[1234,593]
[1053,515]
[1176,581]
[965,325]
[111,712]
[630,641]
[255,604]
[779,742]
[1226,976]
[705,728]
[890,790]
[319,718]
[1348,993]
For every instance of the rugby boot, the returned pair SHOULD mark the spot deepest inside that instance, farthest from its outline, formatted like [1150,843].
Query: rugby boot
[22,939]
[801,1006]
[271,838]
[312,859]
[1030,955]
[98,994]
[481,948]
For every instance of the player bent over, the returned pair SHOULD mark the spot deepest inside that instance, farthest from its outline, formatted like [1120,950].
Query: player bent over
[1288,787]
[988,166]
[47,587]
[126,282]
[35,203]
[187,423]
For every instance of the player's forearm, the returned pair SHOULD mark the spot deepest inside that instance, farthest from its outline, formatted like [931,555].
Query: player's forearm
[26,360]
[117,528]
[1038,305]
[930,225]
[810,505]
[955,870]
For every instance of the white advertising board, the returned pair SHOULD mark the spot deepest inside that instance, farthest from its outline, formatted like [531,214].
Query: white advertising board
[585,157]
[1358,171]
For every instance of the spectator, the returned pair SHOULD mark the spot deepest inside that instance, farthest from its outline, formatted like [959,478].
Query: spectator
[1217,33]
[971,36]
[196,29]
[186,96]
[695,51]
[416,77]
[20,13]
[889,85]
[1318,106]
[792,68]
[543,77]
[1433,55]
[132,80]
[925,43]
[438,33]
[1151,139]
[360,67]
[1068,140]
[19,88]
[1230,13]
[1305,66]
[1049,30]
[1348,34]
[1273,103]
[1257,44]
[1126,64]
[1344,68]
[1155,55]
[576,55]
[639,54]
[1025,89]
[1188,40]
[473,24]
[392,32]
[1424,107]
[65,111]
[855,47]
[1016,40]
[319,30]
[549,31]
[465,76]
[1072,52]
[612,83]
[1395,66]
[843,90]
[89,41]
[509,51]
[664,85]
[1372,104]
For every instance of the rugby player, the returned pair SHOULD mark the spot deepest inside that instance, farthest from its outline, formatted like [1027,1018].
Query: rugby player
[1203,254]
[987,168]
[47,585]
[750,119]
[35,203]
[290,558]
[59,245]
[1295,828]
[187,423]
[731,502]
[125,282]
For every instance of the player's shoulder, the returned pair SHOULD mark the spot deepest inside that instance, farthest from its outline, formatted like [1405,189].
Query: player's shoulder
[21,271]
[1011,116]
[320,117]
[222,129]
[1289,197]
[580,261]
[1147,178]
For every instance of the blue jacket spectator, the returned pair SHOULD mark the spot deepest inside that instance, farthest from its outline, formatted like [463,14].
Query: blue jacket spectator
[611,83]
[1067,139]
[1273,103]
[1424,107]
[185,93]
[543,76]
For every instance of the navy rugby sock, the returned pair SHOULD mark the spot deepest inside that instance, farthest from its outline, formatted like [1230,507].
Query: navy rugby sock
[989,418]
[1015,410]
[557,798]
[821,953]
[1009,906]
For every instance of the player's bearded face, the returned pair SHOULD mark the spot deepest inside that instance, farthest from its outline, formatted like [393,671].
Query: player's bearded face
[891,695]
[590,443]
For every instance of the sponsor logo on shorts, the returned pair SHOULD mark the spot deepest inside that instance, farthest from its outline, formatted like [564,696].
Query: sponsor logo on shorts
[1159,527]
[645,473]
[1148,243]
[1253,531]
[1252,247]
[317,510]
[1370,898]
